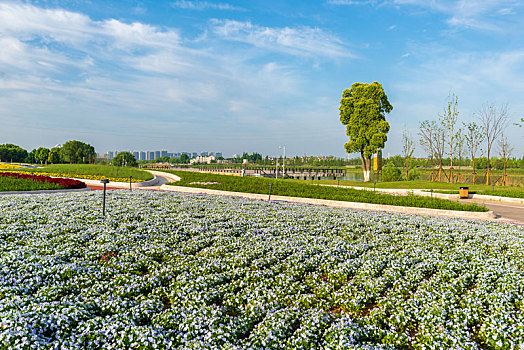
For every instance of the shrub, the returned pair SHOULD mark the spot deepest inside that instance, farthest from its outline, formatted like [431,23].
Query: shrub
[390,172]
[413,174]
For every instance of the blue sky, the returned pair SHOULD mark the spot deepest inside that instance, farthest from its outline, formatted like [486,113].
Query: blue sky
[245,76]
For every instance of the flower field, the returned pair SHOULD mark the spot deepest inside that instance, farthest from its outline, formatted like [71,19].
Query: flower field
[168,271]
[8,166]
[12,181]
[80,176]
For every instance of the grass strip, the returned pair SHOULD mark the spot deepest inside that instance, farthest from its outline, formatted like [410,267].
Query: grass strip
[96,172]
[446,187]
[298,189]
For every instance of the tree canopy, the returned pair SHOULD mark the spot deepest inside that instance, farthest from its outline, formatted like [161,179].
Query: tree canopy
[42,154]
[75,152]
[10,152]
[124,159]
[363,110]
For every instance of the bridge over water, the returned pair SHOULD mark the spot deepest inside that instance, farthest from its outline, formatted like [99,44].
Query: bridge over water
[290,172]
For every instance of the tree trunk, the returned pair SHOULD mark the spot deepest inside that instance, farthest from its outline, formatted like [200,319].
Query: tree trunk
[473,166]
[487,171]
[504,176]
[366,162]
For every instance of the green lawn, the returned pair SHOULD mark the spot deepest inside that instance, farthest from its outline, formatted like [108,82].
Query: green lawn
[13,184]
[96,171]
[425,185]
[304,189]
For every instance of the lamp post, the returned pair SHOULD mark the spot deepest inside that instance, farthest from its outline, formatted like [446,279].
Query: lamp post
[105,182]
[270,187]
[130,176]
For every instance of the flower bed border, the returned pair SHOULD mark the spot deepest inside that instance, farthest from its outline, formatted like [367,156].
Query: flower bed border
[68,184]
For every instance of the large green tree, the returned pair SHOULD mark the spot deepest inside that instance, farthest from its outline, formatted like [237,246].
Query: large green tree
[42,154]
[75,152]
[124,159]
[363,110]
[54,155]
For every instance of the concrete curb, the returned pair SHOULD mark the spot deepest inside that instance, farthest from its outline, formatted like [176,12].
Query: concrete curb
[340,204]
[47,191]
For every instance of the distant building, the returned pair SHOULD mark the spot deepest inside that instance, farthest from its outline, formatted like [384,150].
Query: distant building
[218,154]
[150,155]
[163,153]
[203,159]
[136,154]
[203,154]
[143,155]
[157,155]
[194,155]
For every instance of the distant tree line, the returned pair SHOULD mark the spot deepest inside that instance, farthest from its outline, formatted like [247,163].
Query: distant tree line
[71,152]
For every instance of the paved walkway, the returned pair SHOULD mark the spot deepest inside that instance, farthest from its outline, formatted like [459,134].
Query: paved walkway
[509,212]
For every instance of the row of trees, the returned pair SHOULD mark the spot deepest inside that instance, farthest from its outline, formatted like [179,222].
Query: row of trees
[72,152]
[445,137]
[480,162]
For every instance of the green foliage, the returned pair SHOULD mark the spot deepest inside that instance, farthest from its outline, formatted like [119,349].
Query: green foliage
[362,110]
[252,158]
[77,152]
[184,158]
[31,157]
[53,156]
[42,154]
[413,174]
[14,153]
[125,159]
[390,172]
[96,170]
[396,160]
[164,159]
[503,193]
[302,189]
[14,184]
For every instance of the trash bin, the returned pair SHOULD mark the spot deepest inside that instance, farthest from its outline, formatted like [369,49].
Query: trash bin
[464,192]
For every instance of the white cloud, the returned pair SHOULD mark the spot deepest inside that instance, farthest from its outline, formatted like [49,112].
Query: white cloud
[119,74]
[303,41]
[204,5]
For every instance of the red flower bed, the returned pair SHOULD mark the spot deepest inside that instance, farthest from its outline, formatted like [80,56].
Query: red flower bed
[67,183]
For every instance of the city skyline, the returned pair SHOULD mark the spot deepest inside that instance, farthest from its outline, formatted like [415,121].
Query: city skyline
[153,155]
[245,76]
